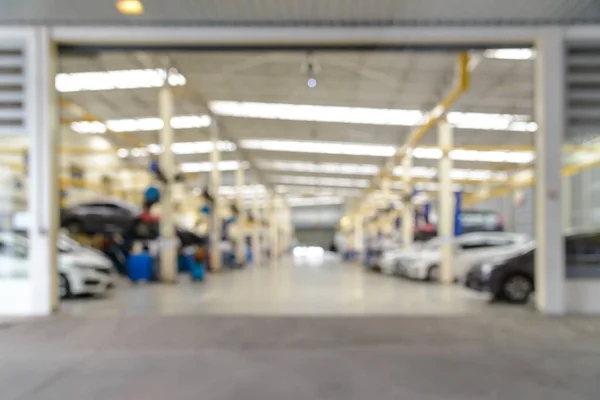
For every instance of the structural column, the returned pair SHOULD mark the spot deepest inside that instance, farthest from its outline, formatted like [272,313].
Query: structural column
[240,250]
[445,204]
[256,230]
[215,184]
[359,239]
[274,228]
[41,297]
[168,248]
[408,210]
[550,115]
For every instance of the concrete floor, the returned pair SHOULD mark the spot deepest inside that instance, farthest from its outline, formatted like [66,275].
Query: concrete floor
[131,349]
[321,287]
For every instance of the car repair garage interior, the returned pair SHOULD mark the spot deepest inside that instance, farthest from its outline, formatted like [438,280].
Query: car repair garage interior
[300,181]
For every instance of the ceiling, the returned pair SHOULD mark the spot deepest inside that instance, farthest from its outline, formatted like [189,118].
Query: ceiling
[381,80]
[307,12]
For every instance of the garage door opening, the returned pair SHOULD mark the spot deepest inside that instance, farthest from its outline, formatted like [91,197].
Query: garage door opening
[309,156]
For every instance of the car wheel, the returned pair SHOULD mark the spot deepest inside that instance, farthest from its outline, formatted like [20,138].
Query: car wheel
[434,273]
[64,287]
[517,288]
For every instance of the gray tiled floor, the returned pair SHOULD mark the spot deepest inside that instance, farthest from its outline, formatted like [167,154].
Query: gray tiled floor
[155,343]
[316,288]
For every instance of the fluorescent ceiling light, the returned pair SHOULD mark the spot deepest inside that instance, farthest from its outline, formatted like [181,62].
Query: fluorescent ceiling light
[297,112]
[207,166]
[495,122]
[178,148]
[324,168]
[369,116]
[518,157]
[93,127]
[510,54]
[318,181]
[313,201]
[429,186]
[369,170]
[111,80]
[321,191]
[246,190]
[355,149]
[141,124]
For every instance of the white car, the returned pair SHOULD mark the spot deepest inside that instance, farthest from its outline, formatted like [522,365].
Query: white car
[469,250]
[391,260]
[82,270]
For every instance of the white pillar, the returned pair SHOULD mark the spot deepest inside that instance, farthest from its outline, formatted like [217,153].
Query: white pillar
[408,210]
[445,203]
[168,250]
[384,221]
[256,229]
[240,250]
[274,228]
[43,123]
[359,239]
[550,115]
[215,184]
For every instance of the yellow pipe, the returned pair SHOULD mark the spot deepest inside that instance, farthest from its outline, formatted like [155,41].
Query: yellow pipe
[566,171]
[434,116]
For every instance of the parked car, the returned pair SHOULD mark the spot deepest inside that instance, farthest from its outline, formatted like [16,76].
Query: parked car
[512,279]
[469,250]
[81,270]
[112,217]
[98,217]
[509,278]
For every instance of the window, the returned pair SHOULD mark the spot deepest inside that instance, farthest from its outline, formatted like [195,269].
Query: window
[583,256]
[472,242]
[487,220]
[499,241]
[474,245]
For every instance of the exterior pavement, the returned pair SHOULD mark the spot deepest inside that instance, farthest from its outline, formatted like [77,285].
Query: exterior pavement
[273,333]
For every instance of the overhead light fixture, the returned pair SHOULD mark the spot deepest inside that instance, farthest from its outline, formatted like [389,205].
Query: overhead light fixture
[318,181]
[247,190]
[297,112]
[141,124]
[320,191]
[178,148]
[324,168]
[311,83]
[510,54]
[208,166]
[130,7]
[368,116]
[92,127]
[112,80]
[374,150]
[122,153]
[294,146]
[371,169]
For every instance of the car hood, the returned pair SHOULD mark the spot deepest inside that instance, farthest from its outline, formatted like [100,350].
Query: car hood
[86,256]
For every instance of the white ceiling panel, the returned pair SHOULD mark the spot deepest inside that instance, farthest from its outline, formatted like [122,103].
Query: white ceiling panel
[381,80]
[308,12]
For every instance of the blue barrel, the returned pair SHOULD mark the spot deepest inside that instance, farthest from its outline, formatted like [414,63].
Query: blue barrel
[139,267]
[197,269]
